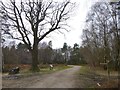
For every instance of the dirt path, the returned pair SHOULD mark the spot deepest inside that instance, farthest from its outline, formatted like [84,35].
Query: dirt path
[61,79]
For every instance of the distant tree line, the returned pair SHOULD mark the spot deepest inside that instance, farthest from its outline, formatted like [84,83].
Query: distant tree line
[16,55]
[46,54]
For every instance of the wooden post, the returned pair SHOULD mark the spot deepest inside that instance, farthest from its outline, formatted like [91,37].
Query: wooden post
[108,70]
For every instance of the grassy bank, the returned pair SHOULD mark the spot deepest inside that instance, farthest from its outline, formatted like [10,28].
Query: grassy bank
[44,68]
[97,78]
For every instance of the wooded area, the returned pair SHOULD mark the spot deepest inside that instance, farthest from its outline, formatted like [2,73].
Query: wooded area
[101,36]
[31,21]
[46,54]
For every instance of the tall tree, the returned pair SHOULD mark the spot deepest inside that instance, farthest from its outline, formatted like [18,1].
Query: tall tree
[32,20]
[58,57]
[116,32]
[75,55]
[64,51]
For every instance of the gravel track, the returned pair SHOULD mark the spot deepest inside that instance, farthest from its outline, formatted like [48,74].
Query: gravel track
[61,79]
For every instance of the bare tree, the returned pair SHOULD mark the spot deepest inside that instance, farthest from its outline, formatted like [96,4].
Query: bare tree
[102,36]
[97,36]
[115,30]
[35,19]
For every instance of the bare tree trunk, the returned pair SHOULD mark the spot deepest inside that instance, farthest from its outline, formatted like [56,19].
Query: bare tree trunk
[35,63]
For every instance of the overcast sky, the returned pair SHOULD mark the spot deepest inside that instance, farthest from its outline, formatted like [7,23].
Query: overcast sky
[76,22]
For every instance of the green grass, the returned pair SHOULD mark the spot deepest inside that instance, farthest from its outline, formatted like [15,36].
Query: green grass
[97,70]
[86,77]
[89,77]
[101,71]
[45,69]
[85,69]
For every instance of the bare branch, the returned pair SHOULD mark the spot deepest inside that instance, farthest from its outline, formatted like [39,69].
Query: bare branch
[42,18]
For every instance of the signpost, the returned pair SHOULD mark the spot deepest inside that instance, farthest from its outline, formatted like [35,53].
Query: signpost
[108,69]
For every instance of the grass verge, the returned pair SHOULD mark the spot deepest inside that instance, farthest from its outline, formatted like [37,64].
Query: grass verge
[96,78]
[25,69]
[44,69]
